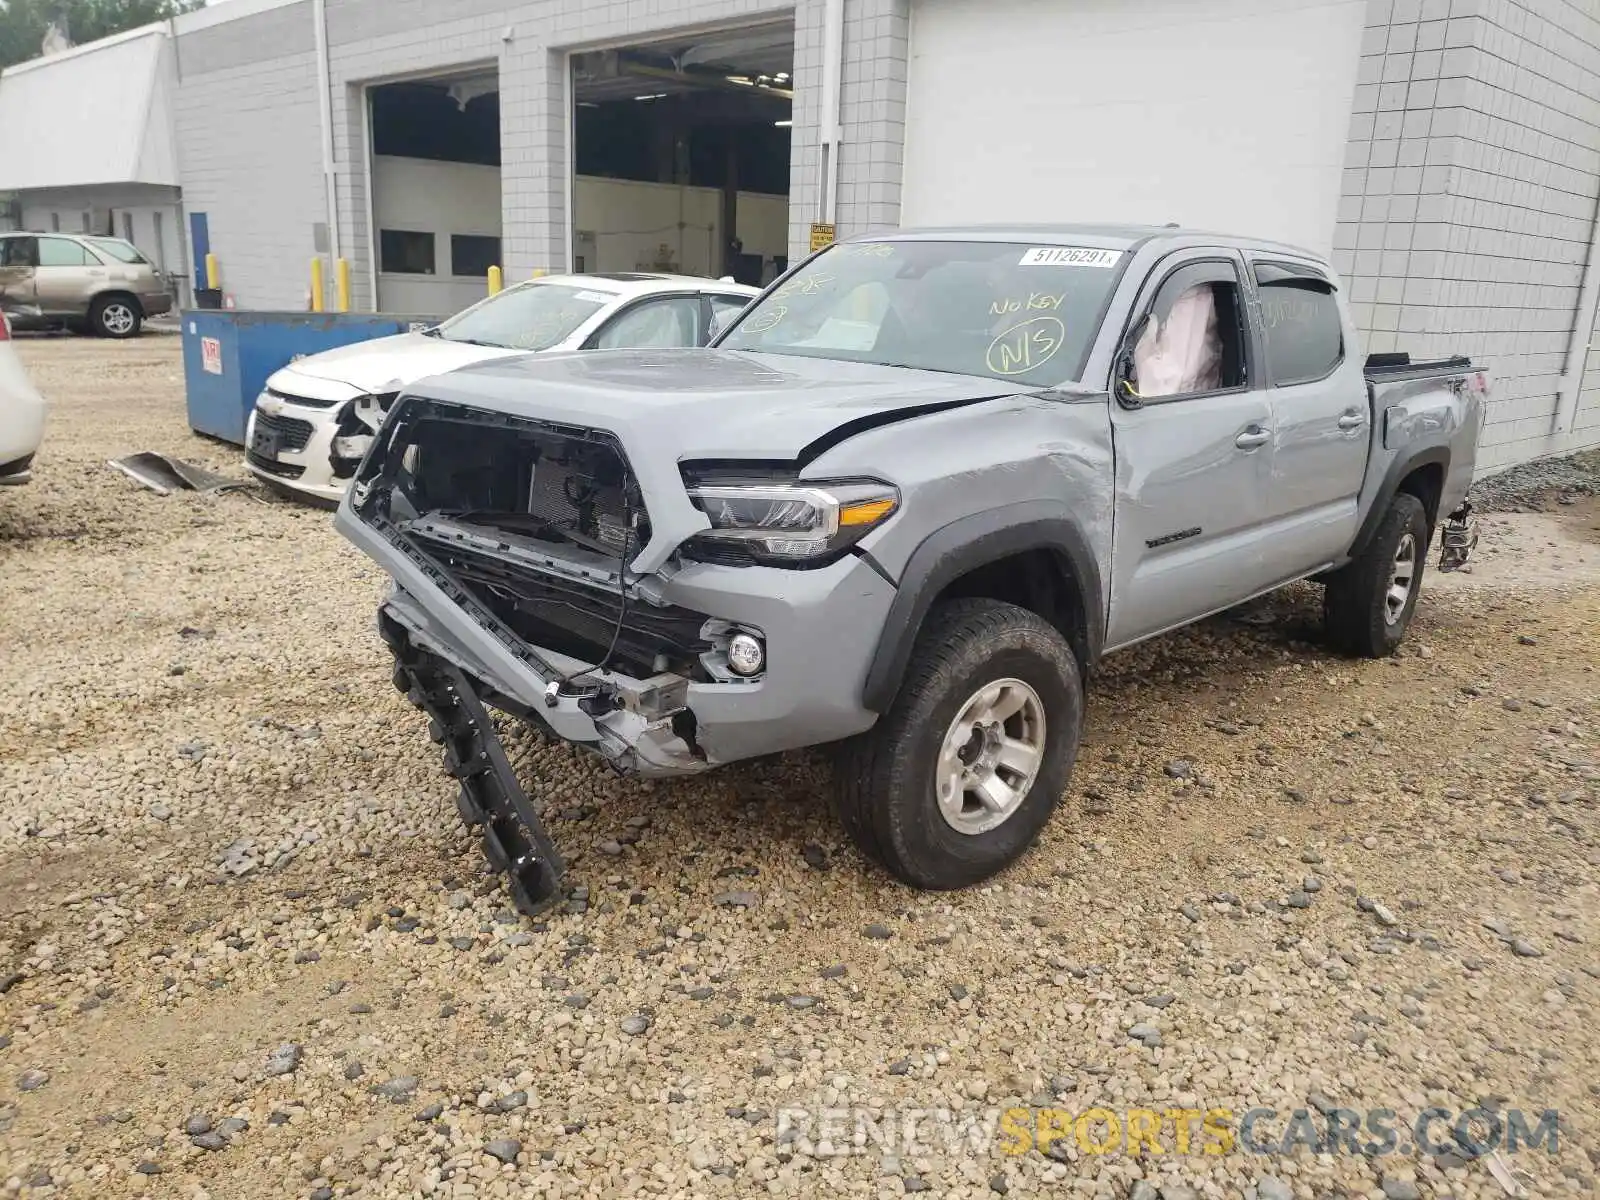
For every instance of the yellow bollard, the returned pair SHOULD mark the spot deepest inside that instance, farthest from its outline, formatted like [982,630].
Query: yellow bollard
[341,283]
[497,280]
[316,284]
[213,273]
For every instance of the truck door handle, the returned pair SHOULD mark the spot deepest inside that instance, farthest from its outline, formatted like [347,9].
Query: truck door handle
[1253,437]
[1352,420]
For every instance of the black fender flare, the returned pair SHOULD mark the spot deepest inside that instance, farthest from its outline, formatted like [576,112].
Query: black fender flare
[1390,487]
[963,546]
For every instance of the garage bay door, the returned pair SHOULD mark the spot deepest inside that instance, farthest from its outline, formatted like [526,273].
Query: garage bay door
[1221,114]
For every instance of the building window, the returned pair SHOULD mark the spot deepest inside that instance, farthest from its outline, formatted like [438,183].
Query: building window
[127,227]
[405,252]
[473,254]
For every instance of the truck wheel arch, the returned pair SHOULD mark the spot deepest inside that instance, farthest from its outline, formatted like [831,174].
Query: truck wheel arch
[957,550]
[1402,472]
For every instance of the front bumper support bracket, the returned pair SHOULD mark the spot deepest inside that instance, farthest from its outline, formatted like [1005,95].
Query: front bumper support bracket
[491,799]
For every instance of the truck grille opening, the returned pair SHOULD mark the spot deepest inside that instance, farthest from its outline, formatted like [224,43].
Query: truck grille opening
[554,484]
[535,522]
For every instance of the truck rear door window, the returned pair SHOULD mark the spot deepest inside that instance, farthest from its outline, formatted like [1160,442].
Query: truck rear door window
[1304,335]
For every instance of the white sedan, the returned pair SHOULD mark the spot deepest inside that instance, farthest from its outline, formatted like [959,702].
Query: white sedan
[316,418]
[21,414]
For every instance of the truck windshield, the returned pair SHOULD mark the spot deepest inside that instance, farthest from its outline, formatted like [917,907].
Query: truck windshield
[534,316]
[1006,310]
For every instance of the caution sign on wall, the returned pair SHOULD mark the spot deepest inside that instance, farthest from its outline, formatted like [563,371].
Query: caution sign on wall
[821,236]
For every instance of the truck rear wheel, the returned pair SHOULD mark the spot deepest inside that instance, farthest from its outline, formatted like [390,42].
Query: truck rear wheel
[956,780]
[1367,605]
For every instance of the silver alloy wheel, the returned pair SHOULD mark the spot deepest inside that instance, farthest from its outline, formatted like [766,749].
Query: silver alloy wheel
[990,756]
[1401,579]
[117,318]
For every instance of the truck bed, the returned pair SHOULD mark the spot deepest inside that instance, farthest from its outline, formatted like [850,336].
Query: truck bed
[1426,412]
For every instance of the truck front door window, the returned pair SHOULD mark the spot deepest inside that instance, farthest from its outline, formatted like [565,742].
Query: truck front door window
[1192,340]
[1183,353]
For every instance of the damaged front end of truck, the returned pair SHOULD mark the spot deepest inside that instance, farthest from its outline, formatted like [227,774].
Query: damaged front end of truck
[669,558]
[530,576]
[528,529]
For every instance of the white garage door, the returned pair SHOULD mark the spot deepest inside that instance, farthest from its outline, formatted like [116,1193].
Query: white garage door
[1218,114]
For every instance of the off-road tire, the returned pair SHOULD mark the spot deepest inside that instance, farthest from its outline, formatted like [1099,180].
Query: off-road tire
[884,790]
[1355,611]
[128,317]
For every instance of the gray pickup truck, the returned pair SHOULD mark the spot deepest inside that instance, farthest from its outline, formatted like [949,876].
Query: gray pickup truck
[902,506]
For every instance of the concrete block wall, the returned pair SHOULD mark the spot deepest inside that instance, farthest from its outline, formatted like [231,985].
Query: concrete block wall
[1469,200]
[249,138]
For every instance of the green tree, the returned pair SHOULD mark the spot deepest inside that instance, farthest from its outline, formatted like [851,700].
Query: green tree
[23,22]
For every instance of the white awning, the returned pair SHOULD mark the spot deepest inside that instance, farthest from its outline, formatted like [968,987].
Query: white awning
[95,114]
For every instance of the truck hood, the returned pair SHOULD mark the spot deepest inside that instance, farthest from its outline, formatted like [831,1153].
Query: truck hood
[676,405]
[671,406]
[384,364]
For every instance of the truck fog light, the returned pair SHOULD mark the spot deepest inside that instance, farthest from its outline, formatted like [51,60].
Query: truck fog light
[746,654]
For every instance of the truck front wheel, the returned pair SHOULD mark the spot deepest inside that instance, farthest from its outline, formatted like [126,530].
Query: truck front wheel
[1368,603]
[956,780]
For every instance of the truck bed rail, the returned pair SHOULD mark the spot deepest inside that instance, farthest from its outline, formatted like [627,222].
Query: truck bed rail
[1389,367]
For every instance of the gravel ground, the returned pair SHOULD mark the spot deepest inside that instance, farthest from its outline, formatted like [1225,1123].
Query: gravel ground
[1540,486]
[245,949]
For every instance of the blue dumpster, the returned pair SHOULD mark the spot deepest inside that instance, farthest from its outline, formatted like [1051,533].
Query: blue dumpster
[228,355]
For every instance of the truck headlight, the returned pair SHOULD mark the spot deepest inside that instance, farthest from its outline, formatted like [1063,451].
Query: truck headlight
[791,524]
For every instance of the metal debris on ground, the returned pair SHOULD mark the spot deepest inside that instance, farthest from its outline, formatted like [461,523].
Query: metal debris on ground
[1503,1175]
[164,475]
